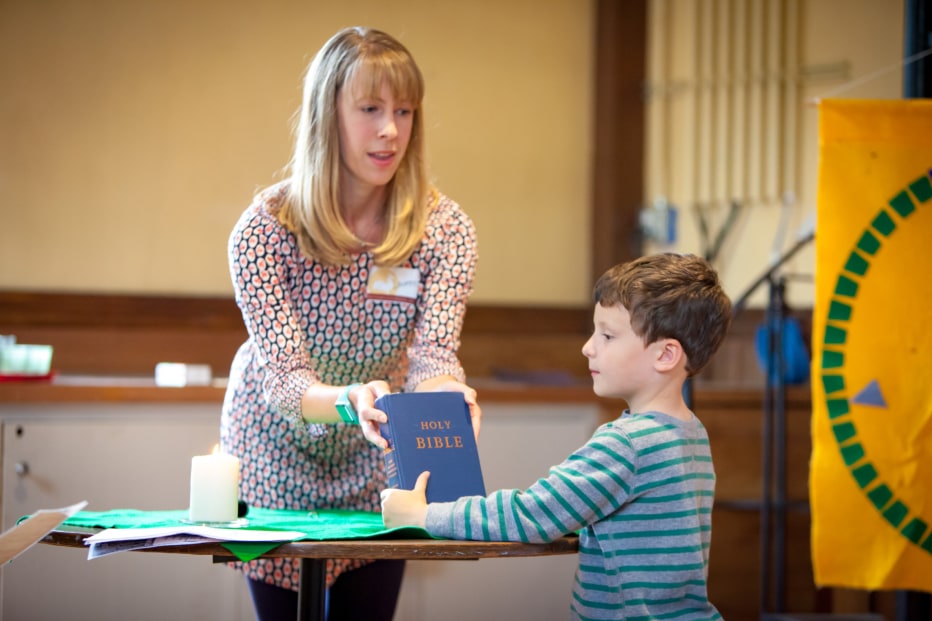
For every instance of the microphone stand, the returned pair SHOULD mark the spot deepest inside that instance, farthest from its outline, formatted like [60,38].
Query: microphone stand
[773,505]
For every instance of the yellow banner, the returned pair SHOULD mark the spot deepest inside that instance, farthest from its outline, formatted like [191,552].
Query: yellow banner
[871,469]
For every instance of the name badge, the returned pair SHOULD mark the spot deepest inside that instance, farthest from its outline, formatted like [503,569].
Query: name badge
[398,284]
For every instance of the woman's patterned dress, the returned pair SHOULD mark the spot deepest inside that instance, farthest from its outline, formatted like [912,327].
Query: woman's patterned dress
[308,323]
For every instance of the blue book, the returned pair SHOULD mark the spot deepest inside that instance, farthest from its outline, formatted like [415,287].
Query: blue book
[431,431]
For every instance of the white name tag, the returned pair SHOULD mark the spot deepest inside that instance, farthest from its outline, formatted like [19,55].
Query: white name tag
[394,283]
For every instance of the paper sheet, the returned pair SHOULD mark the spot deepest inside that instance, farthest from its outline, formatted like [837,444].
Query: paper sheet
[106,548]
[114,540]
[28,532]
[208,532]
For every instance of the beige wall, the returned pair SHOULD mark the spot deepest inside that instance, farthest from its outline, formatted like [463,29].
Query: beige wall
[133,133]
[733,116]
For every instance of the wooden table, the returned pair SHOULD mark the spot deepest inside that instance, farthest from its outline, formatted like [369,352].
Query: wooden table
[314,555]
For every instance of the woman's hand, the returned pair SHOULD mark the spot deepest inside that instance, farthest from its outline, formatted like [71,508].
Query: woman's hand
[406,508]
[448,383]
[363,399]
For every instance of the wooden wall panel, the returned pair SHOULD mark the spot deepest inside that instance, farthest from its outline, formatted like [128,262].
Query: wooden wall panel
[618,166]
[128,335]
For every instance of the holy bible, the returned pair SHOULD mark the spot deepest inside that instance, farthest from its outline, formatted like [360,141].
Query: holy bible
[431,431]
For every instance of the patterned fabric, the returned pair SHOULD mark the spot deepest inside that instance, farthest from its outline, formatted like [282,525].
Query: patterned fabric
[308,323]
[640,494]
[871,470]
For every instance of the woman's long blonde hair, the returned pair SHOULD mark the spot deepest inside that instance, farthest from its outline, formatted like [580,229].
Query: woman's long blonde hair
[311,209]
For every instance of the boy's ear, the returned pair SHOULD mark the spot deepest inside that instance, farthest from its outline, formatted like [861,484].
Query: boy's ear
[670,356]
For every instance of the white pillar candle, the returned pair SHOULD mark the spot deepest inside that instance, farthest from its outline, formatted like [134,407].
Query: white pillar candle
[214,488]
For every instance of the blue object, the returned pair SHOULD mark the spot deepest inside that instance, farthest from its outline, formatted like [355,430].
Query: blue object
[795,355]
[870,395]
[431,431]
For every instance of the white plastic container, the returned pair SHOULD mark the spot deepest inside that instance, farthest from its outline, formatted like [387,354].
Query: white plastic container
[25,359]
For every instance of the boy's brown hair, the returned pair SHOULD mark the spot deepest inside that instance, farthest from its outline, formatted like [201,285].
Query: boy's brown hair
[671,295]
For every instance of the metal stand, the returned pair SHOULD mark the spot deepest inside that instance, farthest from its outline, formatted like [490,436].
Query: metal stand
[913,606]
[773,504]
[773,467]
[312,590]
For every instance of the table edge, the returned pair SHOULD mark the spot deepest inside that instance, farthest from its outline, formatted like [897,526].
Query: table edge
[409,549]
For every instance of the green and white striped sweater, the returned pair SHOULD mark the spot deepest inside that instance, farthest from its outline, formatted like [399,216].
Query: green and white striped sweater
[640,494]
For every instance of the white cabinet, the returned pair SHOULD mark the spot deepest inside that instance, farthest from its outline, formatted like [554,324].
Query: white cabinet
[113,456]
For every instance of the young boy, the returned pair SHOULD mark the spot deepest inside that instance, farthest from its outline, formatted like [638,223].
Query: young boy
[640,491]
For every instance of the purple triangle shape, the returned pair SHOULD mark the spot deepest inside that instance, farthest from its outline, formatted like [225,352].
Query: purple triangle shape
[870,395]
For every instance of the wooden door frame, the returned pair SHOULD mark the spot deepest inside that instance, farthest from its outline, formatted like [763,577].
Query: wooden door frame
[618,168]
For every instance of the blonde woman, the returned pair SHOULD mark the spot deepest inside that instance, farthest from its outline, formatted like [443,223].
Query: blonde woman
[352,276]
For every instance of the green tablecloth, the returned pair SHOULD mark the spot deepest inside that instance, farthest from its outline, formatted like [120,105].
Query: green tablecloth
[325,524]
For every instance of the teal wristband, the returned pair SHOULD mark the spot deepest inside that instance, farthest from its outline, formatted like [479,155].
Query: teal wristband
[345,407]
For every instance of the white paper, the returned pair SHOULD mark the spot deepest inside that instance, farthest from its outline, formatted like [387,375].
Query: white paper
[105,548]
[27,533]
[114,540]
[208,532]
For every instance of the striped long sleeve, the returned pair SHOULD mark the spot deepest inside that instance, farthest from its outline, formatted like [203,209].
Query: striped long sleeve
[639,493]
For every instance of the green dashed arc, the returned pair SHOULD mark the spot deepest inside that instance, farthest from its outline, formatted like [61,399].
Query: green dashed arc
[891,507]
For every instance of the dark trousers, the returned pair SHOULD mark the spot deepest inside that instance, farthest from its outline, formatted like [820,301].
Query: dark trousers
[370,592]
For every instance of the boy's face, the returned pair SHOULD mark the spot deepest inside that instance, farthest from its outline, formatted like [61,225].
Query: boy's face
[618,359]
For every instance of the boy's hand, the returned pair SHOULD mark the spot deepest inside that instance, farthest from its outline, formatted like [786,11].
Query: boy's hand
[406,508]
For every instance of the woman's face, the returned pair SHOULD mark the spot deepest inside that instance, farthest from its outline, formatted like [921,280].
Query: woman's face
[374,134]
